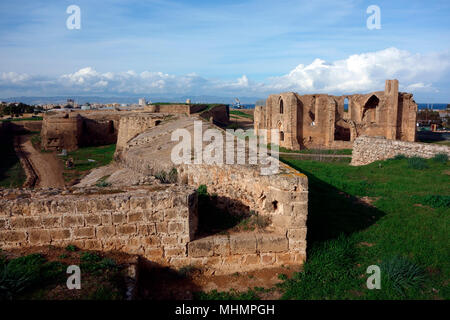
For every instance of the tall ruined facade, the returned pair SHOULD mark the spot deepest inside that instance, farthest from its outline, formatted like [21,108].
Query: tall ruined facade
[322,121]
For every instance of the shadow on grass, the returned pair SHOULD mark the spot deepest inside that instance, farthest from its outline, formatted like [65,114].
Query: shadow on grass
[11,172]
[333,212]
[217,214]
[157,282]
[430,136]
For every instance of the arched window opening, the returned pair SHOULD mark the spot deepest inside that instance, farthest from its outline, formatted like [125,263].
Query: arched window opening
[281,136]
[369,113]
[281,107]
[346,104]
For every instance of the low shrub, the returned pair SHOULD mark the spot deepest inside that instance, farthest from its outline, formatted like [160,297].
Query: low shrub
[399,157]
[202,190]
[441,157]
[417,163]
[170,177]
[402,274]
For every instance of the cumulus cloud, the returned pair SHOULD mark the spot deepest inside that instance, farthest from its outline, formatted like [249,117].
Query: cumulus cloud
[358,73]
[366,72]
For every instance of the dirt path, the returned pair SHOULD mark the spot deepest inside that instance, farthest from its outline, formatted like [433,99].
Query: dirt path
[47,166]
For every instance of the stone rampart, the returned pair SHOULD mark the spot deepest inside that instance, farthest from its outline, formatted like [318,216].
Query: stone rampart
[369,149]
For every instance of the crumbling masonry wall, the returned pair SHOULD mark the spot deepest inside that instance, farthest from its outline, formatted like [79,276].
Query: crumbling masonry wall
[369,149]
[282,197]
[321,121]
[154,224]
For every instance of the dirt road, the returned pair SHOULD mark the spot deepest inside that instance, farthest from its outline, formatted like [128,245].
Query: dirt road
[47,166]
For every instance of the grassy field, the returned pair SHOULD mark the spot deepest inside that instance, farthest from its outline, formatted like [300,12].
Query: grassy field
[241,114]
[23,119]
[402,229]
[102,155]
[317,151]
[42,276]
[387,214]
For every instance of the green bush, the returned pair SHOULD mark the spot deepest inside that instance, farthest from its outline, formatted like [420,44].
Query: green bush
[202,190]
[103,184]
[441,157]
[71,248]
[399,157]
[170,177]
[417,163]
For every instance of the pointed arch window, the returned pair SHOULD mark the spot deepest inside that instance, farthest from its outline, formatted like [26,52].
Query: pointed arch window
[281,107]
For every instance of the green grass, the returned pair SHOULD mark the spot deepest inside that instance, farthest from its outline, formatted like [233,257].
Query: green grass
[102,155]
[317,151]
[241,114]
[22,274]
[346,236]
[33,277]
[23,119]
[404,231]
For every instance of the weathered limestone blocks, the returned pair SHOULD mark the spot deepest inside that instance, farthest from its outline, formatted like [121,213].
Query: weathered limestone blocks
[369,149]
[132,125]
[155,224]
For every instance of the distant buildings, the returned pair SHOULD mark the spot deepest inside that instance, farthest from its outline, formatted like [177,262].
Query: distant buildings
[142,102]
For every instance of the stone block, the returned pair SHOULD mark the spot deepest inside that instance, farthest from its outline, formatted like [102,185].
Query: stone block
[201,247]
[272,243]
[126,229]
[92,220]
[13,236]
[242,243]
[73,221]
[84,233]
[104,232]
[39,236]
[60,234]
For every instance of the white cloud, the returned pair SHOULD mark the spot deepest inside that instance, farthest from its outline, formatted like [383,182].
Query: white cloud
[358,73]
[366,72]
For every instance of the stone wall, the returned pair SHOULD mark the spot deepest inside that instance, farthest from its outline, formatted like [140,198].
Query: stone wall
[369,149]
[20,126]
[282,197]
[132,125]
[219,115]
[186,109]
[156,224]
[75,129]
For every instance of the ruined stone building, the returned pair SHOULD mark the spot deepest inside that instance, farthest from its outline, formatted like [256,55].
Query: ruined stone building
[322,121]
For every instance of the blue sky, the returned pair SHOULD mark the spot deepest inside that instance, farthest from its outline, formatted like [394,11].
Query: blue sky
[225,48]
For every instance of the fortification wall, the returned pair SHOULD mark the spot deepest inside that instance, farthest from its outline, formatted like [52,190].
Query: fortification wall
[369,149]
[21,126]
[60,132]
[282,197]
[72,130]
[154,224]
[219,115]
[132,125]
